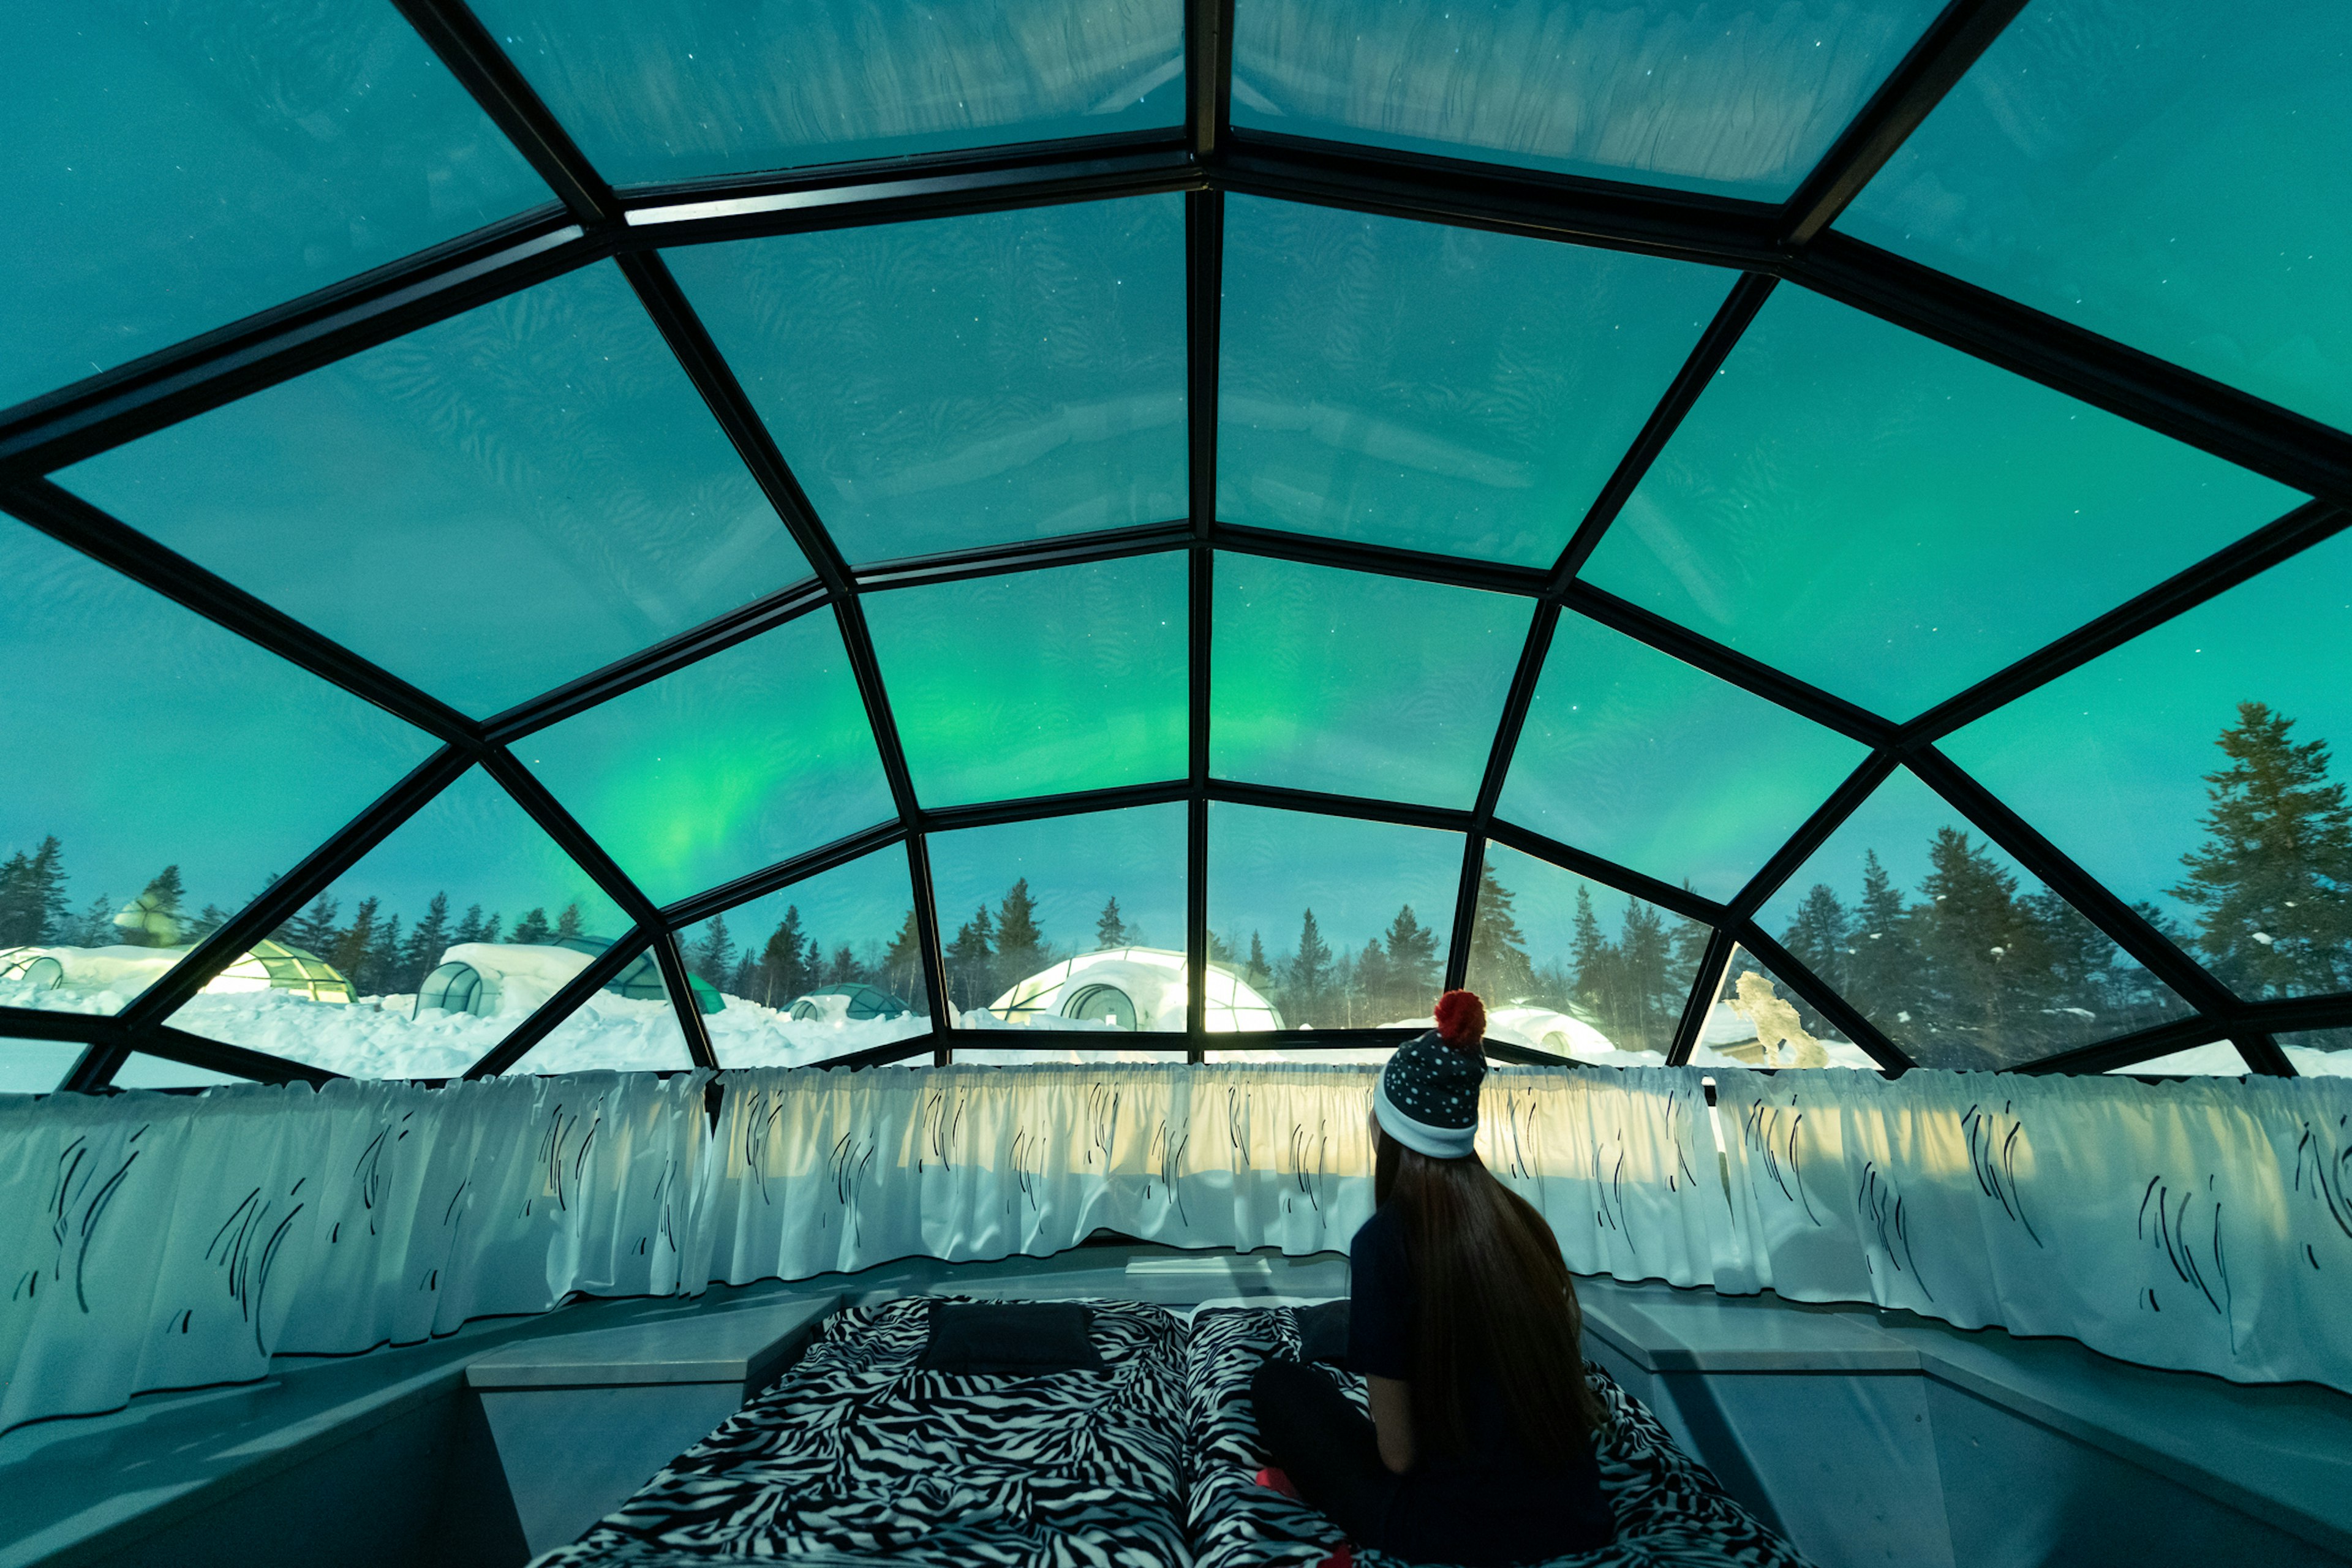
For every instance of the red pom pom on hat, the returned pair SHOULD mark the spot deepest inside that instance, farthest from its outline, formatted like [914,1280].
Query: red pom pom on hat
[1461,1019]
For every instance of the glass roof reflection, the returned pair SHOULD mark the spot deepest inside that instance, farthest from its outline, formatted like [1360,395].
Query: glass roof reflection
[1735,100]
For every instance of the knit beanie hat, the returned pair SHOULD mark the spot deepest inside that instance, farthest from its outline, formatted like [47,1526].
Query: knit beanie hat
[1428,1094]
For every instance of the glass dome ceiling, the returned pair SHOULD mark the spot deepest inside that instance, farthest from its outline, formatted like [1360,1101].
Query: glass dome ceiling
[1644,507]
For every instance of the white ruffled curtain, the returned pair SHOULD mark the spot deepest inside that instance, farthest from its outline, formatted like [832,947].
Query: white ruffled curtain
[158,1241]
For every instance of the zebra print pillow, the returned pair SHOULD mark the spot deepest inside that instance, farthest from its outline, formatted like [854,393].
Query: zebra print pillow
[859,1453]
[1670,1511]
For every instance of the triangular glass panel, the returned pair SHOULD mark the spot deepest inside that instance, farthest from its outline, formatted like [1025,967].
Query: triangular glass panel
[630,1026]
[689,89]
[162,770]
[140,1070]
[966,381]
[1072,922]
[36,1067]
[487,508]
[819,969]
[1356,684]
[1337,924]
[745,759]
[2168,176]
[1355,398]
[1732,103]
[1759,1020]
[164,180]
[423,955]
[1038,682]
[1960,956]
[2319,1053]
[2218,1059]
[2191,771]
[1633,755]
[1574,967]
[1893,521]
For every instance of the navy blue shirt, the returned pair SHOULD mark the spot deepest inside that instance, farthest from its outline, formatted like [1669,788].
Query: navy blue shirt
[1527,1508]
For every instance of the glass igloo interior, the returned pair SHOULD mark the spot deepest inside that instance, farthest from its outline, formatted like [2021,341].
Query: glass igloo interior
[691,537]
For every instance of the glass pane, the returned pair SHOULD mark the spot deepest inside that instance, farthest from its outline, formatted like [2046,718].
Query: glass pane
[162,772]
[487,507]
[1074,923]
[2191,770]
[423,955]
[1574,967]
[629,1026]
[2169,174]
[1038,682]
[1386,380]
[2319,1053]
[1358,684]
[1640,759]
[1741,102]
[749,757]
[1757,1020]
[172,168]
[968,381]
[819,969]
[1893,520]
[684,89]
[2219,1059]
[141,1071]
[1340,924]
[36,1067]
[1958,954]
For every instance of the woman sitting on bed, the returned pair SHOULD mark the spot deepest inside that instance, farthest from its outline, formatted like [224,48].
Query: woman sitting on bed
[1463,1317]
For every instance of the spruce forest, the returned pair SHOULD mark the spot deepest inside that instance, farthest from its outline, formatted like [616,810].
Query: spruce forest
[1967,970]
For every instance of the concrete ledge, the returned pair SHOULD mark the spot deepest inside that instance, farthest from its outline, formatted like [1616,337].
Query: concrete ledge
[746,1347]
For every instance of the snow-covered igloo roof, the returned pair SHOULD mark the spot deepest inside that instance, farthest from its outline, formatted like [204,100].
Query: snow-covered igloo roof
[1794,533]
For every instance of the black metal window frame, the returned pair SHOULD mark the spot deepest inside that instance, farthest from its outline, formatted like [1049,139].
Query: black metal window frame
[590,221]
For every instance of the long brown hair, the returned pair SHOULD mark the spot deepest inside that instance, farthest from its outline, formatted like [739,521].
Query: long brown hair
[1491,1294]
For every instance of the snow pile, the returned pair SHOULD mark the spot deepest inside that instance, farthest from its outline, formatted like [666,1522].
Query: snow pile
[372,1037]
[747,1035]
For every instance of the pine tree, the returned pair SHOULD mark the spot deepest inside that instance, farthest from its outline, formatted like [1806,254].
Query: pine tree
[1647,1000]
[567,924]
[383,971]
[349,951]
[783,971]
[1412,970]
[712,955]
[532,930]
[1589,953]
[490,928]
[1258,974]
[1882,973]
[314,930]
[844,969]
[1374,982]
[470,928]
[1985,973]
[1220,950]
[1820,936]
[1021,947]
[971,962]
[428,939]
[1310,973]
[95,926]
[33,907]
[2273,882]
[1500,969]
[1109,930]
[210,919]
[902,964]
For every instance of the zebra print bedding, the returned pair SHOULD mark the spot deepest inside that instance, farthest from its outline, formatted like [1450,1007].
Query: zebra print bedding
[859,1456]
[1670,1511]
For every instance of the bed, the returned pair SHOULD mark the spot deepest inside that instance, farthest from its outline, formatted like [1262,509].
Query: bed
[859,1456]
[1671,1513]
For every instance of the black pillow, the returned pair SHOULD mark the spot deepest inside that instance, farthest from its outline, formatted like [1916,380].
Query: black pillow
[1010,1339]
[1323,1331]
